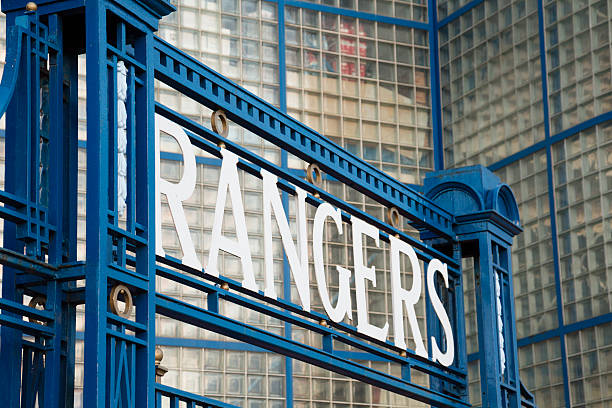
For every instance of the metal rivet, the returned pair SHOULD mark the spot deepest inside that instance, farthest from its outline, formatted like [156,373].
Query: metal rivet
[225,286]
[393,217]
[31,6]
[113,300]
[34,302]
[220,116]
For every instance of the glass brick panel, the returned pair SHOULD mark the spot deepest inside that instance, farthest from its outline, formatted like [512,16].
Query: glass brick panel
[541,371]
[491,87]
[363,84]
[532,255]
[583,195]
[578,58]
[589,355]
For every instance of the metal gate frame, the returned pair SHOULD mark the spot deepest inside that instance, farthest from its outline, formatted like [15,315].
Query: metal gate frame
[463,212]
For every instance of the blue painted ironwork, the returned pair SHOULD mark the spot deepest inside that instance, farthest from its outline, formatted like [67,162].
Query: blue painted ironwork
[486,219]
[39,92]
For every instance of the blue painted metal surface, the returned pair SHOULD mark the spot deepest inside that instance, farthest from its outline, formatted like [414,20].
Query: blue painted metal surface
[486,219]
[39,92]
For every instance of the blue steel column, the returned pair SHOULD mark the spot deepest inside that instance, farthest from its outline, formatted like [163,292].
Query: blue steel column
[97,253]
[486,220]
[119,365]
[488,346]
[10,340]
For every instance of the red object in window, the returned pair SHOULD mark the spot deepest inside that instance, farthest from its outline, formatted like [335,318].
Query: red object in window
[346,27]
[347,45]
[363,49]
[348,68]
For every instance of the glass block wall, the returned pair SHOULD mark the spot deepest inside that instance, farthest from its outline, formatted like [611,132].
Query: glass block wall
[365,85]
[549,139]
[490,79]
[578,61]
[583,192]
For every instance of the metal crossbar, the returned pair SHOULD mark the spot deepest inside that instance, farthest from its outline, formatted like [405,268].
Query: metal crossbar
[204,85]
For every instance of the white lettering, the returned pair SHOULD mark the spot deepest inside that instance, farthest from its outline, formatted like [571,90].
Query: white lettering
[400,295]
[446,359]
[297,262]
[343,306]
[228,180]
[362,272]
[175,193]
[297,252]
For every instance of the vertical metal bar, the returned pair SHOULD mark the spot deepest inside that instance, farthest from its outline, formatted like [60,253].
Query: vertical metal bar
[434,69]
[487,325]
[460,316]
[145,201]
[133,375]
[27,387]
[112,369]
[16,167]
[54,372]
[69,218]
[94,393]
[510,325]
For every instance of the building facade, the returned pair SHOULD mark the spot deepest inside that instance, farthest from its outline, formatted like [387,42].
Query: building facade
[523,87]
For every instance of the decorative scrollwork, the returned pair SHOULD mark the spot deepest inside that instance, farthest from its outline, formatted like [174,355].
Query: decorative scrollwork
[122,120]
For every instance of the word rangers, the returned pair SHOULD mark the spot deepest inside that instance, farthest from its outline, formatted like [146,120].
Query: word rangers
[297,255]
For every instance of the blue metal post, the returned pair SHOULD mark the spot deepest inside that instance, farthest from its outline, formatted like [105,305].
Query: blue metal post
[120,366]
[486,220]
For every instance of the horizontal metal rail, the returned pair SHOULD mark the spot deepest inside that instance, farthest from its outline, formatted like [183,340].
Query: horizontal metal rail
[341,332]
[177,397]
[215,322]
[207,140]
[189,76]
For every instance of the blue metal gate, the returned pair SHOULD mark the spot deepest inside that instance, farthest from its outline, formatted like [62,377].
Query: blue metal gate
[459,213]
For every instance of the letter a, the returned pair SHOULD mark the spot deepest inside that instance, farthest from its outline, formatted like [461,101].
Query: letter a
[228,180]
[298,260]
